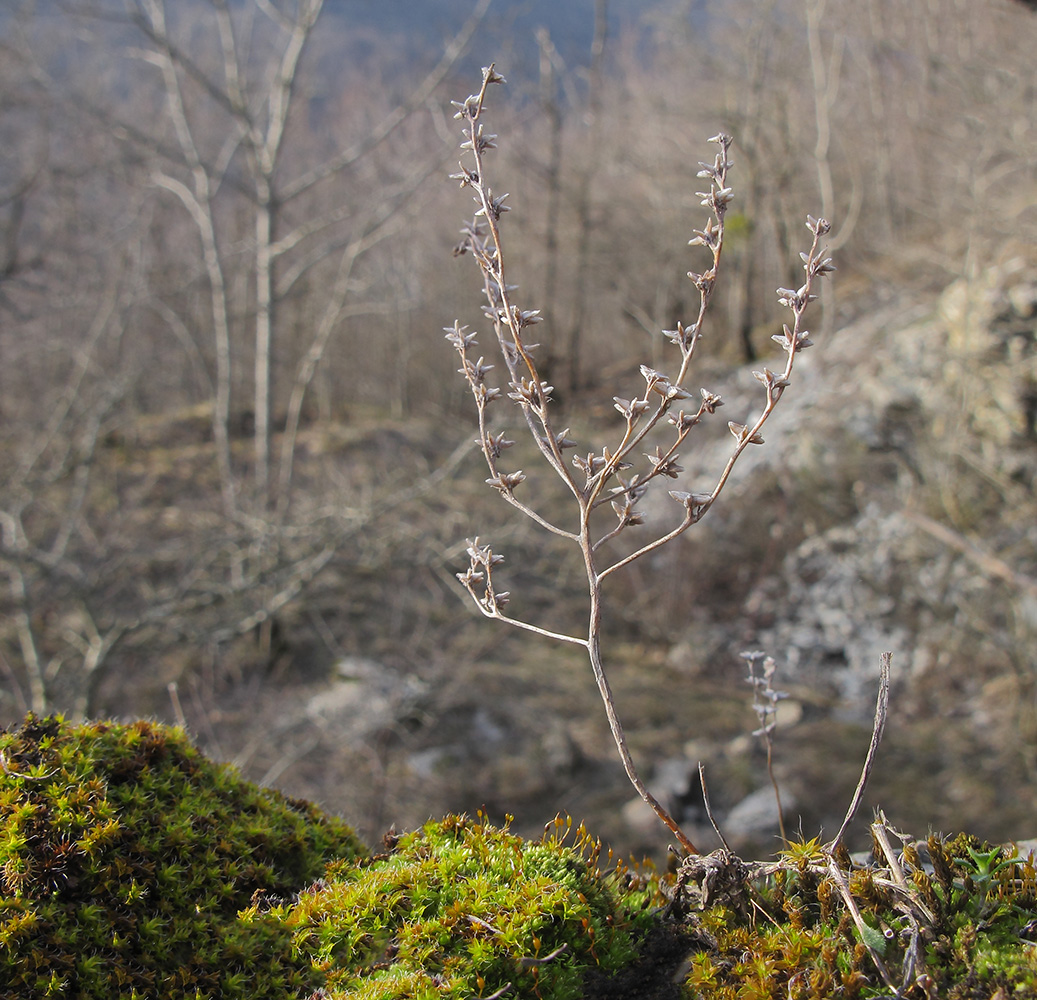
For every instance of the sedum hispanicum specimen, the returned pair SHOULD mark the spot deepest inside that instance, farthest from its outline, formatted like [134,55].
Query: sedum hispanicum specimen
[608,483]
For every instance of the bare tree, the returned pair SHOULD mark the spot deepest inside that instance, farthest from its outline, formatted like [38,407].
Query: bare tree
[234,134]
[228,223]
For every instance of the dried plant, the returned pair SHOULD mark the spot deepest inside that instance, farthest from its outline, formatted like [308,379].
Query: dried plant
[607,484]
[761,671]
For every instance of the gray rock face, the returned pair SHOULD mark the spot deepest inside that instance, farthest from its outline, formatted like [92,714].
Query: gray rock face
[838,606]
[756,816]
[903,459]
[365,698]
[928,416]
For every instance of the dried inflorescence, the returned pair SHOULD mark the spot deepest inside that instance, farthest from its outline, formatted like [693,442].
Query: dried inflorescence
[761,670]
[656,423]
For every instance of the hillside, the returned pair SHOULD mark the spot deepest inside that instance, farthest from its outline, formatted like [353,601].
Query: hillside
[236,464]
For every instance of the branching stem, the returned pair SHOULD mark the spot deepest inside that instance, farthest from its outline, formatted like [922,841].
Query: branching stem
[603,473]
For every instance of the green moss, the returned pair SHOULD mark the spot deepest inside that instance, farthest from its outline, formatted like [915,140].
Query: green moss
[461,908]
[131,866]
[125,856]
[967,926]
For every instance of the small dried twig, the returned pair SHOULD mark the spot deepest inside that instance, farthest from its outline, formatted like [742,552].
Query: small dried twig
[483,923]
[529,962]
[987,562]
[709,809]
[5,766]
[503,991]
[862,928]
[879,724]
[173,690]
[880,834]
[602,481]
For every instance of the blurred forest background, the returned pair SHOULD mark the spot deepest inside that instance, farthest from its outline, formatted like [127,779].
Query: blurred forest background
[236,460]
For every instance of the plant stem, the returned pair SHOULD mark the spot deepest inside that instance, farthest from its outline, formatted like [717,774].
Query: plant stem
[605,690]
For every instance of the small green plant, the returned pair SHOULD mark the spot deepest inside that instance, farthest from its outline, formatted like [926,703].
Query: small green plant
[125,856]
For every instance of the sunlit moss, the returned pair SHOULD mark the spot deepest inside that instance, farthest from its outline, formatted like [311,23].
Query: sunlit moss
[462,908]
[131,866]
[125,856]
[967,927]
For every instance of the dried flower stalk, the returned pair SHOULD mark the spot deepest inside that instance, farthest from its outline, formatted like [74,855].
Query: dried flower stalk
[665,408]
[765,704]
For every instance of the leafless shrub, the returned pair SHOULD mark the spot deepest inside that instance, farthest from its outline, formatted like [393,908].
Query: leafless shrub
[659,416]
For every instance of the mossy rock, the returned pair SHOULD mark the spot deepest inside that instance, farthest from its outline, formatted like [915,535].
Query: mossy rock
[962,925]
[133,867]
[125,857]
[461,908]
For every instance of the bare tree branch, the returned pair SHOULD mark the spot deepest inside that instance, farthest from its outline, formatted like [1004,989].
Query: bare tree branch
[389,123]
